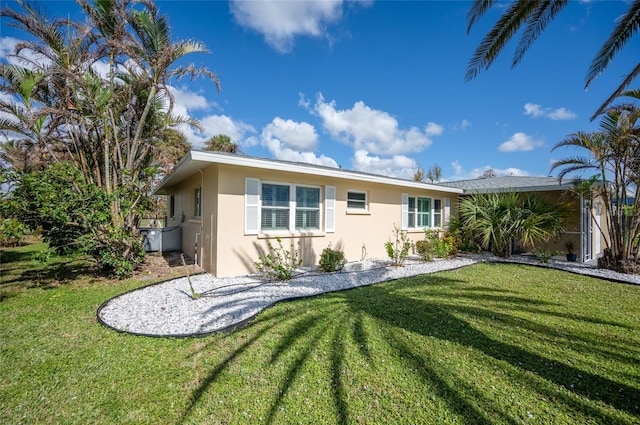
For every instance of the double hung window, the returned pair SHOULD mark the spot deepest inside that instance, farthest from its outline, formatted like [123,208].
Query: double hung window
[275,207]
[307,208]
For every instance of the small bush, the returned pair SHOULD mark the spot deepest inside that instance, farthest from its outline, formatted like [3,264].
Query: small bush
[434,246]
[279,263]
[398,249]
[12,232]
[331,260]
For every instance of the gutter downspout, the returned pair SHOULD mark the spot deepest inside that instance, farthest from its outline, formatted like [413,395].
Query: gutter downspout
[198,259]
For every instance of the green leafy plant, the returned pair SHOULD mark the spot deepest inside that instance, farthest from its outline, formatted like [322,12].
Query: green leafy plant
[279,263]
[12,232]
[434,246]
[398,248]
[497,219]
[331,260]
[42,256]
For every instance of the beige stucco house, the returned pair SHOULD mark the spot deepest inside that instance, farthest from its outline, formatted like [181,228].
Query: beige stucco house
[229,206]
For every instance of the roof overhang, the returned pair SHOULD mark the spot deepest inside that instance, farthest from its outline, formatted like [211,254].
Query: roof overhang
[197,160]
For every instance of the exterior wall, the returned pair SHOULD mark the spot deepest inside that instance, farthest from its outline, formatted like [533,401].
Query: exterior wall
[357,234]
[184,214]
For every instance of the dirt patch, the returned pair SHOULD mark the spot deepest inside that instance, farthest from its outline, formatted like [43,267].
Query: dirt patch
[166,266]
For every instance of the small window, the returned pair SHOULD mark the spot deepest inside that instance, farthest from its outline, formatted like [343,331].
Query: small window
[197,202]
[172,206]
[357,200]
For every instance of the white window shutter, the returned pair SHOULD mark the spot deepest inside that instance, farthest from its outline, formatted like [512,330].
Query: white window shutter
[405,211]
[329,209]
[446,213]
[251,206]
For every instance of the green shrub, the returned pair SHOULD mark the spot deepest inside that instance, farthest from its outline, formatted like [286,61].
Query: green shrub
[331,260]
[279,263]
[12,232]
[423,249]
[398,249]
[434,246]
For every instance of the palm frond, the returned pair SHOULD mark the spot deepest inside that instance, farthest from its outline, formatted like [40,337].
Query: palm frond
[623,31]
[478,8]
[493,43]
[544,13]
[617,92]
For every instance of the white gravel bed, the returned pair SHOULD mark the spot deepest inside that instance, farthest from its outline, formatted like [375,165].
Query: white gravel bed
[167,309]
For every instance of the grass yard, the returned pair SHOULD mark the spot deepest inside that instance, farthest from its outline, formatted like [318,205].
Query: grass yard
[487,344]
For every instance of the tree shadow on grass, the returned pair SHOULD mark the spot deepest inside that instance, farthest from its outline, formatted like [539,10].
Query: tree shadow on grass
[429,310]
[455,329]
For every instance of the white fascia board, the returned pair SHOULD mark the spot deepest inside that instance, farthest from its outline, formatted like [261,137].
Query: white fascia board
[198,159]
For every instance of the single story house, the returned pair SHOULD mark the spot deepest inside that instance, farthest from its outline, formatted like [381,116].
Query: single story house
[230,206]
[583,225]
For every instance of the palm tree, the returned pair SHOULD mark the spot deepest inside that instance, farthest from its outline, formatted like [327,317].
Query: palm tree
[612,152]
[221,143]
[496,220]
[112,126]
[533,17]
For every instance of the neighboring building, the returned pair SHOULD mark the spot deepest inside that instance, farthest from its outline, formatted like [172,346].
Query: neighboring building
[582,227]
[229,206]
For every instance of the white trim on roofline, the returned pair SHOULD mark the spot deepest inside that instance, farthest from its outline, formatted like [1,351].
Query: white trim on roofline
[195,160]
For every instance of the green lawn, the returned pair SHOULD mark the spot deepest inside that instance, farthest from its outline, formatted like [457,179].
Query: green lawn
[485,344]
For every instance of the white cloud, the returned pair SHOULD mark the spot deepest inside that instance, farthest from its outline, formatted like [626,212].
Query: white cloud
[372,130]
[7,49]
[558,114]
[281,21]
[185,101]
[461,126]
[298,136]
[461,174]
[397,166]
[433,129]
[293,141]
[520,142]
[213,125]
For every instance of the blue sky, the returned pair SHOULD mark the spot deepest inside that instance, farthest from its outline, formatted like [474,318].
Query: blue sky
[380,86]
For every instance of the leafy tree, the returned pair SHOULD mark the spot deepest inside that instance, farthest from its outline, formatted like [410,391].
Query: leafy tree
[613,153]
[533,17]
[495,220]
[221,143]
[114,128]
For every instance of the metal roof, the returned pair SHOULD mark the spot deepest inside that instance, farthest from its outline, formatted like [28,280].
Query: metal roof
[511,184]
[196,160]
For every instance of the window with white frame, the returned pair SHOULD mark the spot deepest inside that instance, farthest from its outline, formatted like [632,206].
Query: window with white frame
[356,200]
[197,202]
[287,207]
[437,213]
[275,207]
[307,208]
[421,212]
